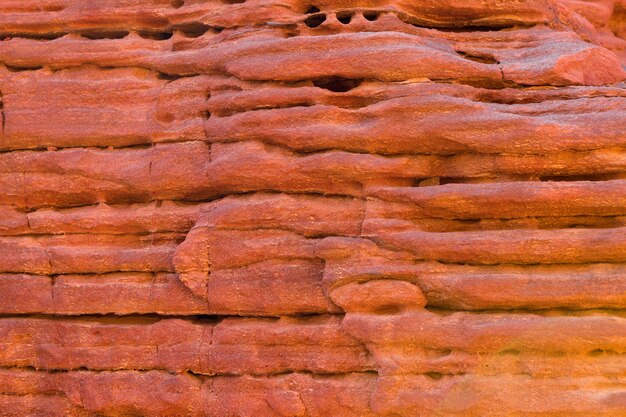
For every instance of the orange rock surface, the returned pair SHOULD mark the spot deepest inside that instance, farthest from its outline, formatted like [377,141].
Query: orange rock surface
[324,208]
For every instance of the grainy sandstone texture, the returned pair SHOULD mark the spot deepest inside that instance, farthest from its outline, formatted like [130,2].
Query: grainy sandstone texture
[397,208]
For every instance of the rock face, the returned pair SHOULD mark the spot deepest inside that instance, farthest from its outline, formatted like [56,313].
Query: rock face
[313,208]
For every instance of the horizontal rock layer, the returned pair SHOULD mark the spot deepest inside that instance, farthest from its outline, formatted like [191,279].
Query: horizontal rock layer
[327,208]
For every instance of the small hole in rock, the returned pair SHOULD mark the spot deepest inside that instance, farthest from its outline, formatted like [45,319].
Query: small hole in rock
[105,35]
[157,36]
[455,180]
[167,77]
[371,16]
[234,1]
[206,114]
[38,36]
[194,30]
[217,29]
[315,20]
[337,84]
[434,375]
[427,182]
[584,177]
[344,17]
[12,68]
[312,9]
[177,4]
[596,352]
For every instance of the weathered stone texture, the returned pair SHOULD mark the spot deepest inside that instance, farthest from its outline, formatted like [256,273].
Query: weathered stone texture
[313,208]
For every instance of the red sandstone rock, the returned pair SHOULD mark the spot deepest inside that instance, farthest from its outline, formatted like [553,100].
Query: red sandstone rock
[378,296]
[327,208]
[513,246]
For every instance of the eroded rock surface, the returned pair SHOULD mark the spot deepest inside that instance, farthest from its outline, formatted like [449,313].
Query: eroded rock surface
[313,208]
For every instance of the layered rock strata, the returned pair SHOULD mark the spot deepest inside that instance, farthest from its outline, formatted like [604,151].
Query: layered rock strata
[327,208]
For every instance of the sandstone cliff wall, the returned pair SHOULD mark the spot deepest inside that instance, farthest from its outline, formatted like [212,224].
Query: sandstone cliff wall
[325,208]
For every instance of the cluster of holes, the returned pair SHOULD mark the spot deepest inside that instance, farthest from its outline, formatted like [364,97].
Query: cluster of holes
[315,19]
[197,29]
[189,30]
